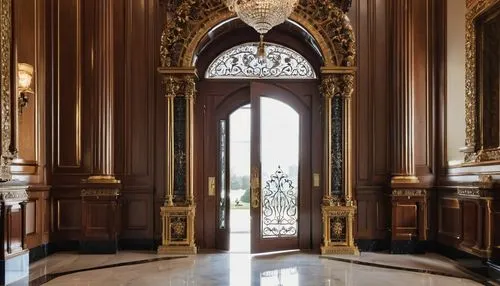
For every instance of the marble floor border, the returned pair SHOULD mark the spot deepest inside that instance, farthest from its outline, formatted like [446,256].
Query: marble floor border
[475,277]
[51,276]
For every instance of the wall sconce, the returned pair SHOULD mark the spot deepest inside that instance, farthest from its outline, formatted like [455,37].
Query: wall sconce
[24,78]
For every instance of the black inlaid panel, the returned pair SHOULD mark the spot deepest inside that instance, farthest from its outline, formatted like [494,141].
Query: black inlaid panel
[478,279]
[336,149]
[46,278]
[179,148]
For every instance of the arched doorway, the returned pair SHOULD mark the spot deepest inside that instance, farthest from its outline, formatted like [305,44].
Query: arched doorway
[320,30]
[278,96]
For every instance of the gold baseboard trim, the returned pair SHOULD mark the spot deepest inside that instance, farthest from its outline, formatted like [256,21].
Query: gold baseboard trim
[340,250]
[405,180]
[181,249]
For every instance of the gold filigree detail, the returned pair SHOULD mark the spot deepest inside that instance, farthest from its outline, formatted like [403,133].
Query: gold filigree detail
[341,229]
[14,195]
[469,192]
[338,227]
[100,193]
[485,181]
[409,192]
[5,88]
[178,230]
[188,21]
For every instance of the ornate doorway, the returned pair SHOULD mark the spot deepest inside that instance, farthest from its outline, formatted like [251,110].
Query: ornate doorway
[276,162]
[193,29]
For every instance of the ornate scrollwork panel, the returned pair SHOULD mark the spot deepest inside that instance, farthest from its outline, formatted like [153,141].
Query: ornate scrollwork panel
[242,62]
[279,206]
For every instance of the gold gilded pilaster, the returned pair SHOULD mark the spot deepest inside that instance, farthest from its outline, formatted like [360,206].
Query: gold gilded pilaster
[338,209]
[178,217]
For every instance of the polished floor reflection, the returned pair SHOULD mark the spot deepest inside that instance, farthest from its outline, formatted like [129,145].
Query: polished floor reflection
[239,269]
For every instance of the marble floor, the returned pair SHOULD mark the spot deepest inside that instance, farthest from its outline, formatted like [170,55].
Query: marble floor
[240,269]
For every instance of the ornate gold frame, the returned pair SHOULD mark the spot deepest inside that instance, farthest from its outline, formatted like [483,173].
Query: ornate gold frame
[6,88]
[188,22]
[473,151]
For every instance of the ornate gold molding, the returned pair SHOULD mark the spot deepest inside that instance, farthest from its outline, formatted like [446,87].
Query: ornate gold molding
[100,193]
[472,129]
[190,20]
[178,230]
[469,192]
[14,194]
[338,223]
[409,193]
[5,88]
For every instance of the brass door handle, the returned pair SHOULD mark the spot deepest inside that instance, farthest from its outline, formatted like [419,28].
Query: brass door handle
[211,186]
[255,188]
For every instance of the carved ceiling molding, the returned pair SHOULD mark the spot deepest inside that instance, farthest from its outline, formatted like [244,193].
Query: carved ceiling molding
[472,129]
[5,87]
[189,20]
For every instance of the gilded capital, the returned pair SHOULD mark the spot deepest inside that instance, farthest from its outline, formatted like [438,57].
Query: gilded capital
[327,87]
[172,86]
[189,86]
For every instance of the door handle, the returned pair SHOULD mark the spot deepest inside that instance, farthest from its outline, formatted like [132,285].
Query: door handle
[211,186]
[255,188]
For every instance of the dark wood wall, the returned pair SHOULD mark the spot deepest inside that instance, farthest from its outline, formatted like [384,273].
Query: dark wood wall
[374,24]
[71,24]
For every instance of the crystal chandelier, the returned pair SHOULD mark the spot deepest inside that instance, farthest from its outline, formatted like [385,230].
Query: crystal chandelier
[262,15]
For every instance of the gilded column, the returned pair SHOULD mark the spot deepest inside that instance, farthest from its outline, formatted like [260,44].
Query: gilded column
[189,94]
[404,98]
[178,212]
[338,209]
[172,87]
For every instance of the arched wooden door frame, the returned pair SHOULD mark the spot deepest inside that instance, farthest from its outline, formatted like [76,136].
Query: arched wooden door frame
[181,42]
[303,97]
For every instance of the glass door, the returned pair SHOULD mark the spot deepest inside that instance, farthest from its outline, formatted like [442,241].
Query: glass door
[274,182]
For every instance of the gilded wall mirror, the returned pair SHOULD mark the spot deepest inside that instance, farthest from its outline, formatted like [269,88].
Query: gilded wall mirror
[488,75]
[6,84]
[482,100]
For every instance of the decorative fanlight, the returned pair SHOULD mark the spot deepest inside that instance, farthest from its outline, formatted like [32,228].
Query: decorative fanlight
[262,15]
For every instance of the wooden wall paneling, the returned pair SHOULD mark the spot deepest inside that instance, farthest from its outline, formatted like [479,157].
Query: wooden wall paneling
[37,219]
[372,217]
[30,34]
[66,213]
[137,214]
[135,113]
[440,88]
[423,84]
[371,100]
[495,243]
[469,223]
[71,59]
[449,221]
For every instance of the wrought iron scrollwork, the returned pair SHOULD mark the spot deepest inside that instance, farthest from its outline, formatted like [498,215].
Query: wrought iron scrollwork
[279,206]
[242,62]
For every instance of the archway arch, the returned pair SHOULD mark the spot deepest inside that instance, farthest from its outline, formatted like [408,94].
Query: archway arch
[188,23]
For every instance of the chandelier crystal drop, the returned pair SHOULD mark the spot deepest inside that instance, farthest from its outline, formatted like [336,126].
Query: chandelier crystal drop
[262,15]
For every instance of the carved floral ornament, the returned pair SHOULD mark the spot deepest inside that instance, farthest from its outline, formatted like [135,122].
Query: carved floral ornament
[473,154]
[7,154]
[189,20]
